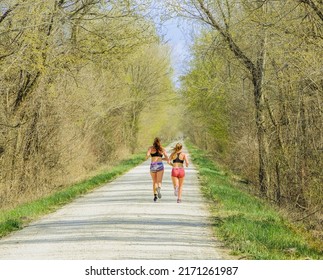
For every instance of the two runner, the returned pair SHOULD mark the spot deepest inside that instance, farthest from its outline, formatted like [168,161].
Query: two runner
[176,160]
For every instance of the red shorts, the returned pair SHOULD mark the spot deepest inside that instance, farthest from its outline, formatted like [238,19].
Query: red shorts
[178,172]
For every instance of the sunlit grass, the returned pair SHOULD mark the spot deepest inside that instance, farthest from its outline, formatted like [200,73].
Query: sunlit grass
[248,225]
[11,220]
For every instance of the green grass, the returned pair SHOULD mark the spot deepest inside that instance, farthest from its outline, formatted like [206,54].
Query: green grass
[249,226]
[17,218]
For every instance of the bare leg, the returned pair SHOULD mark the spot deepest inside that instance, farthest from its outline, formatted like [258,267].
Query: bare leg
[154,178]
[175,183]
[159,182]
[181,182]
[159,178]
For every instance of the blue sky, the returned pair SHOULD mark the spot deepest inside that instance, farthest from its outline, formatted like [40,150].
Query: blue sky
[177,38]
[178,35]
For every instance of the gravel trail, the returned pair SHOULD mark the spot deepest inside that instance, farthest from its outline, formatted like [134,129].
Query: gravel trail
[120,221]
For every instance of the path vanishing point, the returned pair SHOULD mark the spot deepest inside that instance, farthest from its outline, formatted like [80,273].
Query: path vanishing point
[120,221]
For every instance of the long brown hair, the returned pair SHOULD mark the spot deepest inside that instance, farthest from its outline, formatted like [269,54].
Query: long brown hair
[177,148]
[157,145]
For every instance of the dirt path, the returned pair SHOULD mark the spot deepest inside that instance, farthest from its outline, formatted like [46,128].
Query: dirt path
[120,221]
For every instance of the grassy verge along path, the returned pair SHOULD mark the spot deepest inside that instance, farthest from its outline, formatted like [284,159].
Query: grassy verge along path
[15,219]
[248,225]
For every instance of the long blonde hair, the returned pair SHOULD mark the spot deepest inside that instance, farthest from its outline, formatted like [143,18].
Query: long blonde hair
[177,148]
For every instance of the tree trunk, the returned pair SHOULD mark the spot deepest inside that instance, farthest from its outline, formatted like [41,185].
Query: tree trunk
[257,73]
[260,106]
[301,186]
[261,135]
[134,127]
[278,185]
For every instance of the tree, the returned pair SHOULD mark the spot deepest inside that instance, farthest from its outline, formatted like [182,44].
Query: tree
[314,6]
[67,92]
[291,90]
[217,15]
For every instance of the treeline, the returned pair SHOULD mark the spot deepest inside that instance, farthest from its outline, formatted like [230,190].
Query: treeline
[254,91]
[82,83]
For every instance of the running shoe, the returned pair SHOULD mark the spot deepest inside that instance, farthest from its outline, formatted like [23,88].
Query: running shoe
[155,198]
[158,192]
[176,191]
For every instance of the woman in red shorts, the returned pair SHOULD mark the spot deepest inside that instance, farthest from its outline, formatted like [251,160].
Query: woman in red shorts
[178,173]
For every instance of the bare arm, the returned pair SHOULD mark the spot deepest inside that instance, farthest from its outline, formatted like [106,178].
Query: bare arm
[170,158]
[166,156]
[186,160]
[148,153]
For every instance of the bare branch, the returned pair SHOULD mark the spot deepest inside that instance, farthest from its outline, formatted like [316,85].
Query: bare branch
[314,7]
[8,12]
[227,36]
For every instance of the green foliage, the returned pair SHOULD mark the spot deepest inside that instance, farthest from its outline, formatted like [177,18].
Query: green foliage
[205,97]
[248,225]
[76,78]
[15,219]
[10,225]
[264,58]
